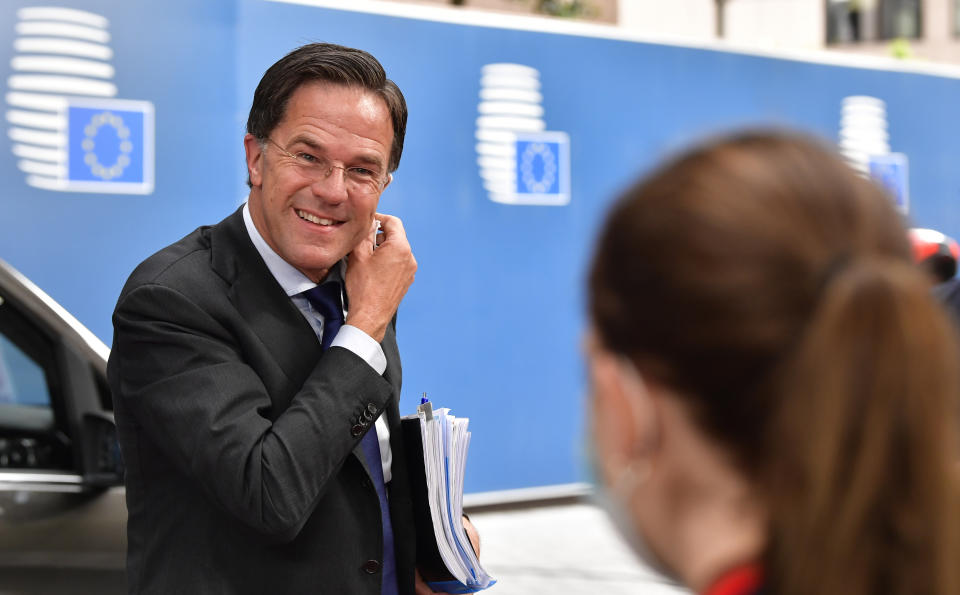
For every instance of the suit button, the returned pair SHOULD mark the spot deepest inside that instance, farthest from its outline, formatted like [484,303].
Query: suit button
[371,408]
[356,430]
[371,566]
[367,415]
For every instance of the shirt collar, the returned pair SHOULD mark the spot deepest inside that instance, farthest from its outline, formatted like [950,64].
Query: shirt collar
[290,279]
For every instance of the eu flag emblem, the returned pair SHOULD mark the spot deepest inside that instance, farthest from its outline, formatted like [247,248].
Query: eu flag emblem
[543,168]
[109,146]
[891,172]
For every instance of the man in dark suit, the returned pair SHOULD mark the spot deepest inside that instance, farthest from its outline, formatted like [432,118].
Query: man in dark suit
[255,369]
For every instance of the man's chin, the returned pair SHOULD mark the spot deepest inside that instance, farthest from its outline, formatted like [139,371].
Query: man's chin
[317,268]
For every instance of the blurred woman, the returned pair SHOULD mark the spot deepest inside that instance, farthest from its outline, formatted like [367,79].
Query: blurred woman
[775,392]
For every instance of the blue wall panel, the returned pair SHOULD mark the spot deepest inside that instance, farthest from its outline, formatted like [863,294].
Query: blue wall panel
[491,328]
[80,247]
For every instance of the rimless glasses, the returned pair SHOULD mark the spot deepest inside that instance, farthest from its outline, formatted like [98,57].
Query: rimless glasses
[356,179]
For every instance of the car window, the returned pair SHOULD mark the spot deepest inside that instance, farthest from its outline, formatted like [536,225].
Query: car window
[29,433]
[22,380]
[24,395]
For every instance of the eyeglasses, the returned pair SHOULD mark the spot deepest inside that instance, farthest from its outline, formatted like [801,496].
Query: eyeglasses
[358,180]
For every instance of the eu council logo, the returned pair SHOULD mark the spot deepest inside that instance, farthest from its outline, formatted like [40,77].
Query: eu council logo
[865,144]
[521,163]
[69,132]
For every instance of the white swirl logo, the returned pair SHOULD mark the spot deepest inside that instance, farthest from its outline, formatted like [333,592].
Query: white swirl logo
[520,162]
[69,132]
[863,130]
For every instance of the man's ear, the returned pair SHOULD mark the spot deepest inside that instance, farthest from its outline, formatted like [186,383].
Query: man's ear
[254,162]
[387,183]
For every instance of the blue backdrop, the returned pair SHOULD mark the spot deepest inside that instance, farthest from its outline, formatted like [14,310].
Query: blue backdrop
[491,328]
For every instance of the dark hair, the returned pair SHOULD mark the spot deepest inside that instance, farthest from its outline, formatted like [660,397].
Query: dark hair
[330,63]
[773,289]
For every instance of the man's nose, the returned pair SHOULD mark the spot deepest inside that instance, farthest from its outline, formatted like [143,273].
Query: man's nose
[331,185]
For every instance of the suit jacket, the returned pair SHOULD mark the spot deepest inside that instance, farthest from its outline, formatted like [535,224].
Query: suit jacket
[240,437]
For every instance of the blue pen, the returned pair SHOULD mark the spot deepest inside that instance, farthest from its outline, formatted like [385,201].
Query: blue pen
[426,408]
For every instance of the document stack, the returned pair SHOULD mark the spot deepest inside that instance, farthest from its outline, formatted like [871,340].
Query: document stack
[445,557]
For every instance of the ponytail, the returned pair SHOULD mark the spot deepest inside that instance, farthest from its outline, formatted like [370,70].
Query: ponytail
[862,448]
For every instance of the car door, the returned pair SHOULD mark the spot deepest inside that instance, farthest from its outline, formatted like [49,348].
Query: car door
[62,512]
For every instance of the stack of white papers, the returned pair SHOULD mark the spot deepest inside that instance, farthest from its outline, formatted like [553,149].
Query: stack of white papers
[445,443]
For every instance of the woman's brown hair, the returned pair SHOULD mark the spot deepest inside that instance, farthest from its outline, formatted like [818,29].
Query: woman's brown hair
[772,287]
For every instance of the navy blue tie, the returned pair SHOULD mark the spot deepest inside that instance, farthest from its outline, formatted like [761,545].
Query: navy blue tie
[326,299]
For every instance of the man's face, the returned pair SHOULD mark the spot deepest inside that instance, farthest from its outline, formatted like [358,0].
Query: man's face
[345,126]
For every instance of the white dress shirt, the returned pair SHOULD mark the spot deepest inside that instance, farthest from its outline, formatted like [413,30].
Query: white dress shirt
[349,337]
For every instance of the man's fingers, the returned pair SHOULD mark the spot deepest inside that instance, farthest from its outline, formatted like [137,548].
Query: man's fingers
[473,535]
[366,244]
[391,227]
[376,281]
[372,238]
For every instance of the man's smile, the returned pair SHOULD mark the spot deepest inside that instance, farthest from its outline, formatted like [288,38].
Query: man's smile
[317,220]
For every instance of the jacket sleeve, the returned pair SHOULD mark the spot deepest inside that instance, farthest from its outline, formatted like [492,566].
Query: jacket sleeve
[183,383]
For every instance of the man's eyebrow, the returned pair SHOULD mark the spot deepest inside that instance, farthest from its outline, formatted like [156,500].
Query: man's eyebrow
[307,141]
[370,159]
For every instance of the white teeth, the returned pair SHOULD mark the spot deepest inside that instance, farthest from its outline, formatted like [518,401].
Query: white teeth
[314,219]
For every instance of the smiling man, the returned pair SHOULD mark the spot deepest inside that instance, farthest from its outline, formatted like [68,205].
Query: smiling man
[255,369]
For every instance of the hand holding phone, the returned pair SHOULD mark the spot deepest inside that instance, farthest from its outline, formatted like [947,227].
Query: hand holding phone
[379,272]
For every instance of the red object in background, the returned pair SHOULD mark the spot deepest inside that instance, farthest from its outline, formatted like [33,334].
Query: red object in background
[929,242]
[935,253]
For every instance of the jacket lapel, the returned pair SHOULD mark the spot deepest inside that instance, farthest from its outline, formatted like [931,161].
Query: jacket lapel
[260,300]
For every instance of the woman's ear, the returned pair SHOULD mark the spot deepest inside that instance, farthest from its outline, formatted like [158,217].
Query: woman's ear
[624,423]
[642,404]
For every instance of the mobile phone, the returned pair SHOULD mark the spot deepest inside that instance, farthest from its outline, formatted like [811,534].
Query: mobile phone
[376,232]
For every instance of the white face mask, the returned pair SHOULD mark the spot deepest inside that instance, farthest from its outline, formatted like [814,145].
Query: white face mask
[615,498]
